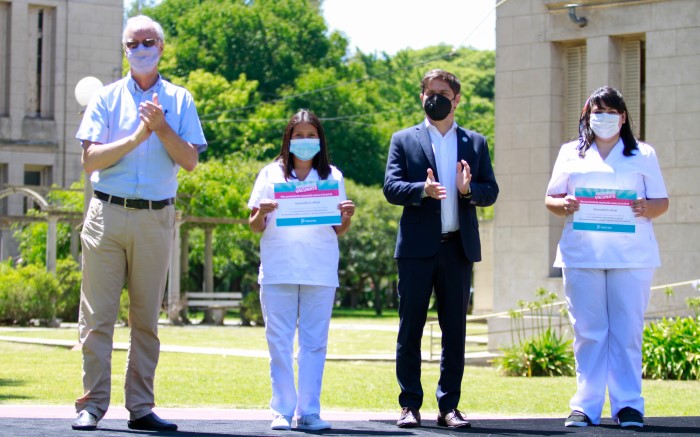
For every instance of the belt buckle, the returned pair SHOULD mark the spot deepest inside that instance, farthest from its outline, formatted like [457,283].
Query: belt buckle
[126,203]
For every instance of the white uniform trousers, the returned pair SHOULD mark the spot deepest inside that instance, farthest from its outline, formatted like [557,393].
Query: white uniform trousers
[284,306]
[606,309]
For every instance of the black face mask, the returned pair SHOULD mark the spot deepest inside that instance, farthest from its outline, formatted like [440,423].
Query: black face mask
[437,107]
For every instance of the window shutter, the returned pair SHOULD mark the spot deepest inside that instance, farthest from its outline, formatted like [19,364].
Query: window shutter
[575,93]
[632,81]
[4,56]
[40,66]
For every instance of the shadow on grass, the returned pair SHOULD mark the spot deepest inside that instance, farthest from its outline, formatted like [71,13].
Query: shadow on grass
[11,383]
[366,313]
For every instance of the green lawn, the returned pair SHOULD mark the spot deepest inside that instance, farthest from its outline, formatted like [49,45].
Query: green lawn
[34,374]
[51,375]
[348,336]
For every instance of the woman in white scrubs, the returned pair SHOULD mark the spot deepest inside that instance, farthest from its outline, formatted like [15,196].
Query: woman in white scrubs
[607,274]
[298,272]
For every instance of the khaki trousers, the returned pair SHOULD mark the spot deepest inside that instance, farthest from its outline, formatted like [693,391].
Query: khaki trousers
[131,246]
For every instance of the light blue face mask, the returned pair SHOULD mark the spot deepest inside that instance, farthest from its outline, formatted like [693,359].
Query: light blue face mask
[142,59]
[305,148]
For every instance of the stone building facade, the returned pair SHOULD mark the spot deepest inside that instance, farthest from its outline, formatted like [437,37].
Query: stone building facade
[46,47]
[547,63]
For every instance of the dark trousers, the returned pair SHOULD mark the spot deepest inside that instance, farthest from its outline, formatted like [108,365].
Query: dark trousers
[449,274]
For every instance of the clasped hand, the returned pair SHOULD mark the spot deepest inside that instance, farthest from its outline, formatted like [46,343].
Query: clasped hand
[435,190]
[152,115]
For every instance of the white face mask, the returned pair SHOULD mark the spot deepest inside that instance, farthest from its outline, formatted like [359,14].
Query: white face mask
[305,148]
[143,60]
[605,126]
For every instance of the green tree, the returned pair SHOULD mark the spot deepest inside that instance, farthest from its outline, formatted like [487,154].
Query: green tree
[367,250]
[348,116]
[211,92]
[221,188]
[269,41]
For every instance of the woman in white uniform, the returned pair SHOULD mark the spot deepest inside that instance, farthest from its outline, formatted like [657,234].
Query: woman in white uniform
[607,275]
[298,274]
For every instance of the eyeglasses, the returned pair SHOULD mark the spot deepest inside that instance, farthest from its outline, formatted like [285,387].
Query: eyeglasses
[133,44]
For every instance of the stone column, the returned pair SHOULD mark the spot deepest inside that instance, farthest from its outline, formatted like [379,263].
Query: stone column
[51,243]
[74,243]
[208,259]
[174,275]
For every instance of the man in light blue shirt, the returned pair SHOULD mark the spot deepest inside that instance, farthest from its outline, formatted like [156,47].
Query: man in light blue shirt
[136,134]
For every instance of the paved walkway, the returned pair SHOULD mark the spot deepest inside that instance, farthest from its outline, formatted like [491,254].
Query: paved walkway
[54,421]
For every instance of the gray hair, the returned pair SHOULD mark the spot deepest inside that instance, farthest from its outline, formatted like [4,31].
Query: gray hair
[141,22]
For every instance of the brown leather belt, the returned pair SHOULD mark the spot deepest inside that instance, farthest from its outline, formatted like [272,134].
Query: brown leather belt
[134,203]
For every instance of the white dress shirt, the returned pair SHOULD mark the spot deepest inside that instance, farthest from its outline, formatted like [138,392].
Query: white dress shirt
[445,150]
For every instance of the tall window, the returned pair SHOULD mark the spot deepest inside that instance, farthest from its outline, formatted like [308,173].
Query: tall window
[575,93]
[40,54]
[633,82]
[36,176]
[4,56]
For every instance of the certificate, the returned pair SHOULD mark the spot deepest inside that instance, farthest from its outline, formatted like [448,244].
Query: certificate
[311,203]
[605,210]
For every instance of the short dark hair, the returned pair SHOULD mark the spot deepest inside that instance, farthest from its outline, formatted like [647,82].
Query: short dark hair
[610,98]
[444,76]
[320,162]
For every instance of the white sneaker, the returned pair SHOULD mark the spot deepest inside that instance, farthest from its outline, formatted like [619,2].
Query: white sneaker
[312,422]
[281,423]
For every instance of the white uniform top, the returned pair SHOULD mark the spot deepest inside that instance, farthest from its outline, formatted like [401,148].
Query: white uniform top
[304,255]
[608,250]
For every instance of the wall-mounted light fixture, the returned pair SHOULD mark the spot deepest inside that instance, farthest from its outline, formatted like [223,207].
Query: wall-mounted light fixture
[580,21]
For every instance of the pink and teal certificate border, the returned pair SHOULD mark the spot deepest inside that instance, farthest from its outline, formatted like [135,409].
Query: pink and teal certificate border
[604,196]
[303,191]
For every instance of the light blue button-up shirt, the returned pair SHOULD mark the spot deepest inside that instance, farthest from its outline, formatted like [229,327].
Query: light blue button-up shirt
[148,171]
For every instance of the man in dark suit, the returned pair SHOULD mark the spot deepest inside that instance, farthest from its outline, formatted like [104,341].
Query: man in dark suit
[439,172]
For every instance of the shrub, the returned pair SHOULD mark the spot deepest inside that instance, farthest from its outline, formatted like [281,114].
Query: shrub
[694,305]
[547,352]
[27,293]
[251,311]
[69,277]
[671,349]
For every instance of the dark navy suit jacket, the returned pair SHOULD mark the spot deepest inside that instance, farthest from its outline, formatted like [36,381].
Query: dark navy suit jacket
[410,156]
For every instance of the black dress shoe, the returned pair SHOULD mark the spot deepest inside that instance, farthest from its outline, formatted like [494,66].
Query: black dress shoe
[410,418]
[151,422]
[453,419]
[85,421]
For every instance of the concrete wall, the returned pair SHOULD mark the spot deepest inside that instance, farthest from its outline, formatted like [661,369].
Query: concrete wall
[85,40]
[530,36]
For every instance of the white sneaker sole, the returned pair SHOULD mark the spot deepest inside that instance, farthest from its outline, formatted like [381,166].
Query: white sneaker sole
[575,424]
[313,427]
[631,424]
[280,425]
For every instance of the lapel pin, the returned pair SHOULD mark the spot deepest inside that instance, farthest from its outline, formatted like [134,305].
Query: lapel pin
[464,138]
